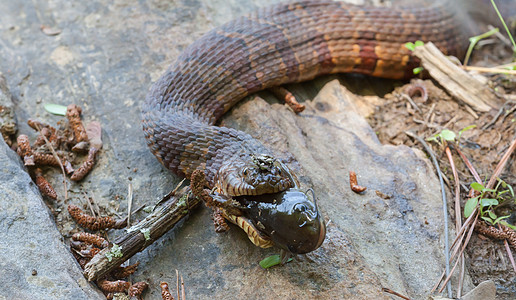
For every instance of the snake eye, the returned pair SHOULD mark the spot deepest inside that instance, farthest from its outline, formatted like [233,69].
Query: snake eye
[246,171]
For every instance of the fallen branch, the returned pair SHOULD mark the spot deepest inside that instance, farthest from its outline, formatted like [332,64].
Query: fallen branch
[167,213]
[456,81]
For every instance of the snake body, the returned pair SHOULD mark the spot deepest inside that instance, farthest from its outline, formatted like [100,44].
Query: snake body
[276,45]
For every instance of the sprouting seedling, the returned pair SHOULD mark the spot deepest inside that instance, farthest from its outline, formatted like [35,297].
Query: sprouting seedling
[488,200]
[412,46]
[474,40]
[449,136]
[441,137]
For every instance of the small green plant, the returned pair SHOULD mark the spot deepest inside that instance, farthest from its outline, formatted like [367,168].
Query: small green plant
[488,200]
[448,135]
[272,261]
[412,46]
[474,40]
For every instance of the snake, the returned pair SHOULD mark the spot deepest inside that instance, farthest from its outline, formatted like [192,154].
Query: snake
[276,45]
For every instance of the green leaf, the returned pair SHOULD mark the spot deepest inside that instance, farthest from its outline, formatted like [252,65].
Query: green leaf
[492,215]
[448,135]
[432,138]
[55,109]
[477,186]
[504,223]
[470,206]
[500,218]
[488,220]
[272,261]
[410,46]
[488,202]
[467,128]
[417,70]
[488,190]
[510,189]
[418,43]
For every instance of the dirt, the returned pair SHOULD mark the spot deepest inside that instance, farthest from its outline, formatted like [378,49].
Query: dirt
[484,145]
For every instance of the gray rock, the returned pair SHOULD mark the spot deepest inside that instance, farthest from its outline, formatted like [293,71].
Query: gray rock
[486,290]
[34,262]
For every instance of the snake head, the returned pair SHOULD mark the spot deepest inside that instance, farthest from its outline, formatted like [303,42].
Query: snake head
[254,175]
[289,218]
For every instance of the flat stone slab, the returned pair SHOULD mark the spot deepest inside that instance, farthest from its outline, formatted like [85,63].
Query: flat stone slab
[34,261]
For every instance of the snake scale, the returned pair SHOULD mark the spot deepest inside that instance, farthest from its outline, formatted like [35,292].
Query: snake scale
[281,44]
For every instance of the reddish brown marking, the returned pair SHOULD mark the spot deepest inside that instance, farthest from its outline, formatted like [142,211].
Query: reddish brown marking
[354,184]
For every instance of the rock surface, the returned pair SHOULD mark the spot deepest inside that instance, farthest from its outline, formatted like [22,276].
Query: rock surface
[34,262]
[105,58]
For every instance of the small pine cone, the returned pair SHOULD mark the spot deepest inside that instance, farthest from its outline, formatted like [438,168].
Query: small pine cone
[44,186]
[118,286]
[90,239]
[45,159]
[165,292]
[137,289]
[86,166]
[88,221]
[73,113]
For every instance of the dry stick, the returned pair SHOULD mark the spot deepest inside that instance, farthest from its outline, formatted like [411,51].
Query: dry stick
[458,239]
[177,284]
[508,249]
[172,209]
[57,158]
[489,185]
[501,165]
[183,293]
[445,207]
[489,70]
[470,232]
[458,215]
[386,290]
[129,203]
[469,165]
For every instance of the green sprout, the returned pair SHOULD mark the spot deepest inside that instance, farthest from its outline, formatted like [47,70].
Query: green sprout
[412,46]
[272,261]
[489,200]
[449,136]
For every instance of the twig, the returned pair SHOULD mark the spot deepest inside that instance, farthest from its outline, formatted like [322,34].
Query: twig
[183,293]
[57,158]
[501,165]
[445,207]
[508,249]
[386,290]
[129,203]
[407,97]
[177,284]
[458,216]
[164,217]
[489,70]
[469,165]
[495,118]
